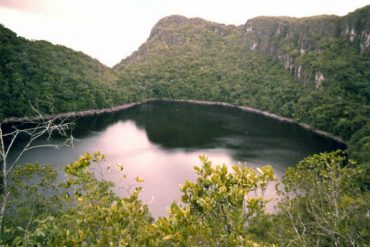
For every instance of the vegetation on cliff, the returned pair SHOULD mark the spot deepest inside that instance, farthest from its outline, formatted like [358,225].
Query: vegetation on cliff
[258,64]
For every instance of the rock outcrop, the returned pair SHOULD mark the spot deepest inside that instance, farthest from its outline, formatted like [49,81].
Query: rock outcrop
[291,39]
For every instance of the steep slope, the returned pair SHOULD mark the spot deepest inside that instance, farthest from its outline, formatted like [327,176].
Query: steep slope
[333,55]
[196,59]
[50,77]
[317,50]
[315,70]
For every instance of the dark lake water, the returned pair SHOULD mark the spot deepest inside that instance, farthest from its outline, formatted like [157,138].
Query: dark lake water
[161,142]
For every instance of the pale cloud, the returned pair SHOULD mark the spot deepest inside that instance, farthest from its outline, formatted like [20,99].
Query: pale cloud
[110,30]
[24,5]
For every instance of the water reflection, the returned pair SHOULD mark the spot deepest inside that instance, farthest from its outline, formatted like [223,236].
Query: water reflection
[162,170]
[161,142]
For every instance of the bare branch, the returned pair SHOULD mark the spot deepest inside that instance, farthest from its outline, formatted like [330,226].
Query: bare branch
[37,130]
[11,143]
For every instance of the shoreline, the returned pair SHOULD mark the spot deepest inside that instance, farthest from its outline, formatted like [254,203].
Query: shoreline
[74,113]
[263,113]
[200,102]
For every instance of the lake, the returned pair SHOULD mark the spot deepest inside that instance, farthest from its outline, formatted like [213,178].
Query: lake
[160,141]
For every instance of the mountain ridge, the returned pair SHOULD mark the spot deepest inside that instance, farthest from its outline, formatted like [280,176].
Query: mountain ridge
[265,27]
[313,70]
[276,36]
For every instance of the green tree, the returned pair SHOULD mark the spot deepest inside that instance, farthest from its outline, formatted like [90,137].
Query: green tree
[324,203]
[31,133]
[215,209]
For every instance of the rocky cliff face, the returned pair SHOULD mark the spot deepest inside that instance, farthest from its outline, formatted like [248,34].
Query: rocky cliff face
[292,40]
[302,45]
[314,50]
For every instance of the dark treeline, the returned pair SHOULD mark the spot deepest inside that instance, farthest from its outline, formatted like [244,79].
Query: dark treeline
[51,78]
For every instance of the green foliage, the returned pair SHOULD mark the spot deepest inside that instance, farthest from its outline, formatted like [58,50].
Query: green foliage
[52,78]
[216,208]
[96,216]
[324,199]
[83,211]
[209,62]
[31,197]
[196,59]
[360,144]
[323,203]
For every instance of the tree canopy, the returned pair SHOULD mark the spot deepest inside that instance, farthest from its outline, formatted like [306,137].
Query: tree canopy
[323,202]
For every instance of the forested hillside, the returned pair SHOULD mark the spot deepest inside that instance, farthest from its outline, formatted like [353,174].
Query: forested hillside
[315,70]
[50,77]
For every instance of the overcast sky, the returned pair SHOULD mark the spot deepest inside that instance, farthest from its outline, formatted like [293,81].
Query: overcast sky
[110,30]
